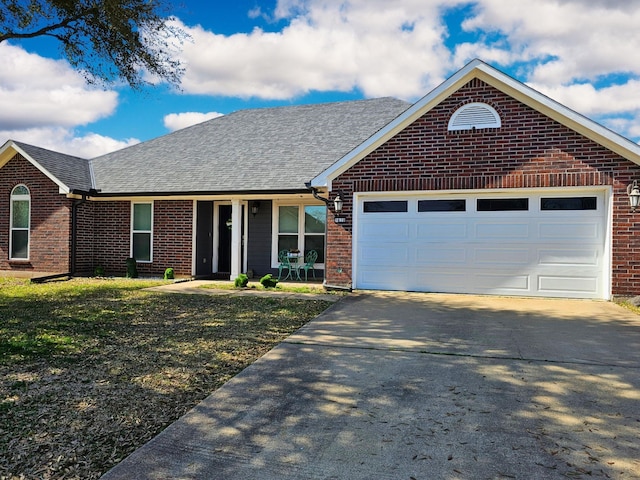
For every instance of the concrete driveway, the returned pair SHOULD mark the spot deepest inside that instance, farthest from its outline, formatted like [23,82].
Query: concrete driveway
[423,386]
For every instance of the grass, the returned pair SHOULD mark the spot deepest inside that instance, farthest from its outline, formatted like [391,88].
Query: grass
[92,369]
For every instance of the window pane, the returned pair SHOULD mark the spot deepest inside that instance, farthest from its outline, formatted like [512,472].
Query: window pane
[142,247]
[287,242]
[19,244]
[20,214]
[142,216]
[288,220]
[20,190]
[502,204]
[388,206]
[568,203]
[315,219]
[442,205]
[314,242]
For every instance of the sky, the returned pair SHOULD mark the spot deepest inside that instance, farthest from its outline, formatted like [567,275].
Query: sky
[244,54]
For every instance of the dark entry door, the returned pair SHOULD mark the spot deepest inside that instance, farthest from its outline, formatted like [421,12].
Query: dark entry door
[224,239]
[204,238]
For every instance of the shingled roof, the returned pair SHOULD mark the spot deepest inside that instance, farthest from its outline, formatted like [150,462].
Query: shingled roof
[69,172]
[257,150]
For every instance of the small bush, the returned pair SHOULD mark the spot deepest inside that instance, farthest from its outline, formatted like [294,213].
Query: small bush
[241,281]
[132,269]
[268,281]
[98,272]
[168,274]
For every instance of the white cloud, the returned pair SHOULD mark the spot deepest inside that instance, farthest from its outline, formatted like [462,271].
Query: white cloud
[567,39]
[176,121]
[380,47]
[37,92]
[67,141]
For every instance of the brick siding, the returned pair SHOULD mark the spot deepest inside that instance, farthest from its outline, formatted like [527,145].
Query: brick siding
[172,237]
[50,228]
[529,151]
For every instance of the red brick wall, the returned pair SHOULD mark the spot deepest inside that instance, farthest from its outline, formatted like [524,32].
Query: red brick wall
[529,150]
[172,237]
[49,241]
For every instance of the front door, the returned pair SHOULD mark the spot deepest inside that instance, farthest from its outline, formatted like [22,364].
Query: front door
[204,238]
[224,238]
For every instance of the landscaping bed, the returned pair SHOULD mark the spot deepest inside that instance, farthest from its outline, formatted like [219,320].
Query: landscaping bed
[92,369]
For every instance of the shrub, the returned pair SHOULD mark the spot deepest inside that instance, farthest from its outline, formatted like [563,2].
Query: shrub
[168,274]
[132,269]
[268,281]
[241,281]
[98,272]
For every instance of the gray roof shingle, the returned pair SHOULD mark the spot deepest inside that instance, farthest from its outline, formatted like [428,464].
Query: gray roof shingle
[71,171]
[250,150]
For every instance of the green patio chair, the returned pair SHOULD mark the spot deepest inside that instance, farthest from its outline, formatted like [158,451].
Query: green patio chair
[283,259]
[309,261]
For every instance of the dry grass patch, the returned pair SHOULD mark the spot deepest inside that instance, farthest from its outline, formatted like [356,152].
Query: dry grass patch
[92,369]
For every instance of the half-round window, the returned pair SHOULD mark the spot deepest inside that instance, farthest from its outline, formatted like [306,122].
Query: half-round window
[19,224]
[474,116]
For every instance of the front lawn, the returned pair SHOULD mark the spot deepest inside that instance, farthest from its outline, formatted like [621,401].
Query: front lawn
[92,369]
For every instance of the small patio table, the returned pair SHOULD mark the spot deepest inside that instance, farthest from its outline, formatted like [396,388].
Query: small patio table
[294,258]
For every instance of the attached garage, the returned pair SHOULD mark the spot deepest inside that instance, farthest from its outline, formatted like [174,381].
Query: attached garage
[542,242]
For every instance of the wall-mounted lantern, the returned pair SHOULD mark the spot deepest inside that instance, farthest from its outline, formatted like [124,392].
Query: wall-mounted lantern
[255,206]
[338,203]
[633,190]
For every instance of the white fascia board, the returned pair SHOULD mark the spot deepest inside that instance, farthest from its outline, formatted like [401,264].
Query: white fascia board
[521,92]
[9,149]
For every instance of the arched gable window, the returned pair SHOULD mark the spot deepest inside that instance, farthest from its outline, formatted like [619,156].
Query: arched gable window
[474,116]
[19,224]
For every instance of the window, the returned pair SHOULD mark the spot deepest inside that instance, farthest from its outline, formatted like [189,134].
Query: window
[19,225]
[502,204]
[301,227]
[142,231]
[389,206]
[569,203]
[442,205]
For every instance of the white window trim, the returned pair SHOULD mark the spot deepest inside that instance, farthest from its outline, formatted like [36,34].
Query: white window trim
[274,228]
[142,231]
[19,198]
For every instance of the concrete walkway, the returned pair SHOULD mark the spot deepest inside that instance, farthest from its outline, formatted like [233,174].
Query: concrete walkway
[423,386]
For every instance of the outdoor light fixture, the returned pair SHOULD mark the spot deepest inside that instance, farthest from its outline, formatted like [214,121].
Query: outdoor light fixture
[255,206]
[338,203]
[633,190]
[228,223]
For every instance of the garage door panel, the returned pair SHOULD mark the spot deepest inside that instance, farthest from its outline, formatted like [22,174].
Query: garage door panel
[432,254]
[568,256]
[433,231]
[384,255]
[569,285]
[496,255]
[501,231]
[569,231]
[439,281]
[387,231]
[506,282]
[382,278]
[531,252]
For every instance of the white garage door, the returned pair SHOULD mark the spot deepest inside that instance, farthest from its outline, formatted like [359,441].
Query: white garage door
[549,243]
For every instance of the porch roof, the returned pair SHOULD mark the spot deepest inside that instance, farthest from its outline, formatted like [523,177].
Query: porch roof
[269,149]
